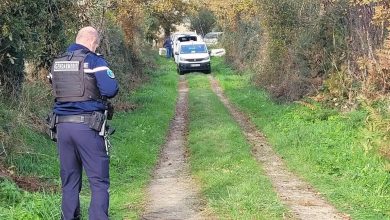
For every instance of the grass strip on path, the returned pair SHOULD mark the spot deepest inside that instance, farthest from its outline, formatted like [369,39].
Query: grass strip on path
[231,180]
[321,145]
[137,142]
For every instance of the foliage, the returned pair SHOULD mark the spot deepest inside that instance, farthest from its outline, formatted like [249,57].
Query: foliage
[167,13]
[376,134]
[133,156]
[24,205]
[203,21]
[303,42]
[331,150]
[30,30]
[9,193]
[33,32]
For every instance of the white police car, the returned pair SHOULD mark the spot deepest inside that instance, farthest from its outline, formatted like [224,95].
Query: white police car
[193,56]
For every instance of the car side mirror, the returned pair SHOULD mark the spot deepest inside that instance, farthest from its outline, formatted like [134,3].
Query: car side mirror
[176,53]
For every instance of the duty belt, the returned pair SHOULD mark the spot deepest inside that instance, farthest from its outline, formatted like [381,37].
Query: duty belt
[84,119]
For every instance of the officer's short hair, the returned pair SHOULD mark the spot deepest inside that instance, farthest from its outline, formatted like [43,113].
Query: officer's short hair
[88,32]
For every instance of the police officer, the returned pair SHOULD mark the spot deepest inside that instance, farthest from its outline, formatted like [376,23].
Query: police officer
[168,46]
[82,82]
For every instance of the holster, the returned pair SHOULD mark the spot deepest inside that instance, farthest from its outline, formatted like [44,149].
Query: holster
[97,120]
[51,124]
[110,111]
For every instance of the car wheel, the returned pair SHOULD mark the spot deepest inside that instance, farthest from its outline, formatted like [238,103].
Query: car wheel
[179,71]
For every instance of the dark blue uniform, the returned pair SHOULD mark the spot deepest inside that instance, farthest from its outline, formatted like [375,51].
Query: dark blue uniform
[79,146]
[168,43]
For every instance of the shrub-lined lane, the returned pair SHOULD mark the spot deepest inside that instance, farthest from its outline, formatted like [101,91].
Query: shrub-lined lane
[232,182]
[321,145]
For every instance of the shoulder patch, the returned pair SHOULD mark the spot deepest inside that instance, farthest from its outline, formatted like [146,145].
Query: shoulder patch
[110,74]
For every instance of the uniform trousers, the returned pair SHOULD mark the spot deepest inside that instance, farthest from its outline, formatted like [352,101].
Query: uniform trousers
[169,52]
[81,147]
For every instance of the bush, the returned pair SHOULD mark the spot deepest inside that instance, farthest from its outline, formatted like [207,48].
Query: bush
[32,33]
[306,42]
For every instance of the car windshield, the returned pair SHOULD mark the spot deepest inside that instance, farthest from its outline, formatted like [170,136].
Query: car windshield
[187,38]
[194,48]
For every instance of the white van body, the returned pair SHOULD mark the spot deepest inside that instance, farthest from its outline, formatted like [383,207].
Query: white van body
[182,37]
[193,56]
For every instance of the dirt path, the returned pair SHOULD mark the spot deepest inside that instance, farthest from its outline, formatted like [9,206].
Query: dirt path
[302,200]
[172,193]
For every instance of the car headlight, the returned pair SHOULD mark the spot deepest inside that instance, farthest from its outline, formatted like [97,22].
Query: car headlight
[182,59]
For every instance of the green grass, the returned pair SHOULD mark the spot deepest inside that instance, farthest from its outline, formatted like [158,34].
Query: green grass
[232,182]
[322,145]
[140,134]
[32,154]
[28,153]
[136,145]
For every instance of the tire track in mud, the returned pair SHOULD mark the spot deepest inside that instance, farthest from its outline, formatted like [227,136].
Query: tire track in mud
[172,193]
[300,197]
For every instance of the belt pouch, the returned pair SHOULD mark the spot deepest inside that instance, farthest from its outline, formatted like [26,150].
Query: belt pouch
[96,121]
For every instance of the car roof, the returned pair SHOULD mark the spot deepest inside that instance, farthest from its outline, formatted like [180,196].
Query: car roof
[188,36]
[192,42]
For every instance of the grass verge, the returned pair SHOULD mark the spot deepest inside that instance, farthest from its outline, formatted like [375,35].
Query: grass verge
[30,154]
[136,145]
[140,134]
[321,145]
[230,178]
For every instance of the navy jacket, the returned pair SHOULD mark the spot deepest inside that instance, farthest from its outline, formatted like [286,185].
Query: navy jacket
[168,42]
[106,82]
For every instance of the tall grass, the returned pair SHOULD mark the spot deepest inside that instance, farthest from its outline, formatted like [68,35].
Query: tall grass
[232,182]
[27,151]
[35,157]
[321,145]
[136,144]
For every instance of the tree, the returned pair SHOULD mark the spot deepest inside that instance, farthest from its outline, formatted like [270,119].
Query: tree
[203,21]
[30,31]
[168,12]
